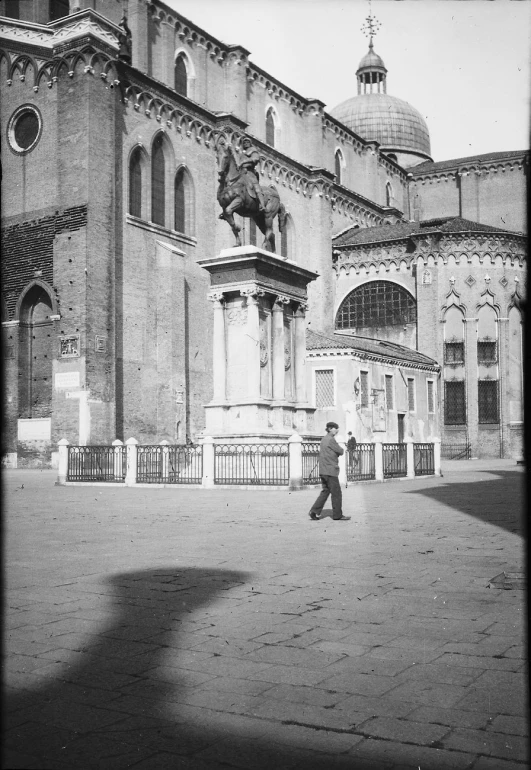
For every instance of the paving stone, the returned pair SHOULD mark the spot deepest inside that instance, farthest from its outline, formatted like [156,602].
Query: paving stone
[405,732]
[410,756]
[291,675]
[490,744]
[497,700]
[436,672]
[488,763]
[509,725]
[451,717]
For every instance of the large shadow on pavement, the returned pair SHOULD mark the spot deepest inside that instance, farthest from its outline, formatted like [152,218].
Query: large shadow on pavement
[499,501]
[119,703]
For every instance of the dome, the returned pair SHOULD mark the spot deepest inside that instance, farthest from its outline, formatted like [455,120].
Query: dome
[392,122]
[371,61]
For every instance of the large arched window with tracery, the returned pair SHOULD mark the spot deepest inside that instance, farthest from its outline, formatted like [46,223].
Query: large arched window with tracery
[375,305]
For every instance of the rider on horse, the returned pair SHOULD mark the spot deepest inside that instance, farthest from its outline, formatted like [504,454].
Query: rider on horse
[249,160]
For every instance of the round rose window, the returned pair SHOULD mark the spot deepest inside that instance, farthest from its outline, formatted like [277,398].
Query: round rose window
[24,129]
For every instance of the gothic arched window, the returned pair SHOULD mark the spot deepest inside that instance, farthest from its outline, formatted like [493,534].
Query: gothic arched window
[270,128]
[158,172]
[181,76]
[180,202]
[135,183]
[375,305]
[388,194]
[35,354]
[338,166]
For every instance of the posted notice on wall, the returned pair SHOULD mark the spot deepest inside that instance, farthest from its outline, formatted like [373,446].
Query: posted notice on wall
[36,429]
[67,380]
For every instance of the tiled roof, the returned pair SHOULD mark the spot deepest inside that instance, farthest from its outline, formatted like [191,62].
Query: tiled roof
[402,230]
[369,346]
[442,165]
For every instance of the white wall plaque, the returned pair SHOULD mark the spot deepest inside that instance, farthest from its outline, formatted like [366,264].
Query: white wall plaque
[67,380]
[37,429]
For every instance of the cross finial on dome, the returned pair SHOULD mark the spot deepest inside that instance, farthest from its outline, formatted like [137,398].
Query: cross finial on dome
[371,26]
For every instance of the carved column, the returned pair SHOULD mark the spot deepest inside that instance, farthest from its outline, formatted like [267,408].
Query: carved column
[300,353]
[278,347]
[219,351]
[253,341]
[471,368]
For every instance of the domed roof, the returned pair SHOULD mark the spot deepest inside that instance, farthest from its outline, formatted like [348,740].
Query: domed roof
[392,122]
[371,60]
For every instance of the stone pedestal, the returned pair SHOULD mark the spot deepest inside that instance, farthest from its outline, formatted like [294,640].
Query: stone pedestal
[260,303]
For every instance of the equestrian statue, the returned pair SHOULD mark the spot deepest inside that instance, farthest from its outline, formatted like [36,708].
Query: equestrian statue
[239,192]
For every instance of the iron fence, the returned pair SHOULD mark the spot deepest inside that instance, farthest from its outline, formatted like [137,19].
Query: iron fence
[360,463]
[456,450]
[264,464]
[169,464]
[310,462]
[424,459]
[394,460]
[97,463]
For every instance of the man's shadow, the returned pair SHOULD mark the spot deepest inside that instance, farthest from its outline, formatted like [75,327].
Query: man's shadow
[106,711]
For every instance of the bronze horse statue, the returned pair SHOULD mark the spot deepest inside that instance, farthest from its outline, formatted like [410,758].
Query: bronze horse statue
[236,196]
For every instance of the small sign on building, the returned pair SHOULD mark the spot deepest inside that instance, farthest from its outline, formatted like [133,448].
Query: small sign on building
[67,380]
[69,346]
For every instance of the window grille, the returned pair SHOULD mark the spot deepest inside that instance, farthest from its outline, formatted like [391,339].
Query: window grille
[431,397]
[180,202]
[364,388]
[488,401]
[454,353]
[454,402]
[135,184]
[158,198]
[487,352]
[377,304]
[181,76]
[270,128]
[411,394]
[389,391]
[338,167]
[324,388]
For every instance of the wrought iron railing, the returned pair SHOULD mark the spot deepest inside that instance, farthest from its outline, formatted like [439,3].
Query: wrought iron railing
[264,464]
[310,462]
[97,463]
[169,464]
[360,463]
[424,459]
[394,460]
[459,450]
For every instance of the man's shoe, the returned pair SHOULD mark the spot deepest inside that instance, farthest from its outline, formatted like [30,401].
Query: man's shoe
[314,516]
[342,518]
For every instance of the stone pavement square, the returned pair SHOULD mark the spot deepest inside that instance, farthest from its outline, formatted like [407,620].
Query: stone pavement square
[159,628]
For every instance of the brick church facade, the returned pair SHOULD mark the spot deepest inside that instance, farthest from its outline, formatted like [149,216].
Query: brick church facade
[111,149]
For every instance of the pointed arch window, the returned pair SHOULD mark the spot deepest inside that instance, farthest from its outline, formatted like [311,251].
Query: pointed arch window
[181,76]
[270,128]
[180,202]
[135,183]
[388,194]
[158,172]
[338,166]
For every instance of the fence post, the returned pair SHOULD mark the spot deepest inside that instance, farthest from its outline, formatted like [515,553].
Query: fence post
[132,459]
[295,461]
[410,457]
[208,462]
[62,469]
[437,456]
[117,459]
[378,459]
[165,460]
[343,464]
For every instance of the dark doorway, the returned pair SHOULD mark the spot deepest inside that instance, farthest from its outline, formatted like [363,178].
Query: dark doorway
[401,428]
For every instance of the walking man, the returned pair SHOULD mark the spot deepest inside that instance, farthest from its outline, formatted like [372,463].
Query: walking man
[329,472]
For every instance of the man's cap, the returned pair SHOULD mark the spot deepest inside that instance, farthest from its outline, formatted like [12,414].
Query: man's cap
[331,425]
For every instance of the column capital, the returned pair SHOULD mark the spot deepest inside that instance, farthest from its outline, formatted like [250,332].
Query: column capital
[281,300]
[302,308]
[252,291]
[216,296]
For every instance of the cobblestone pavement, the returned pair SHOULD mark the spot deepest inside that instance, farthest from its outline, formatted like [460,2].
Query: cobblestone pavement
[194,629]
